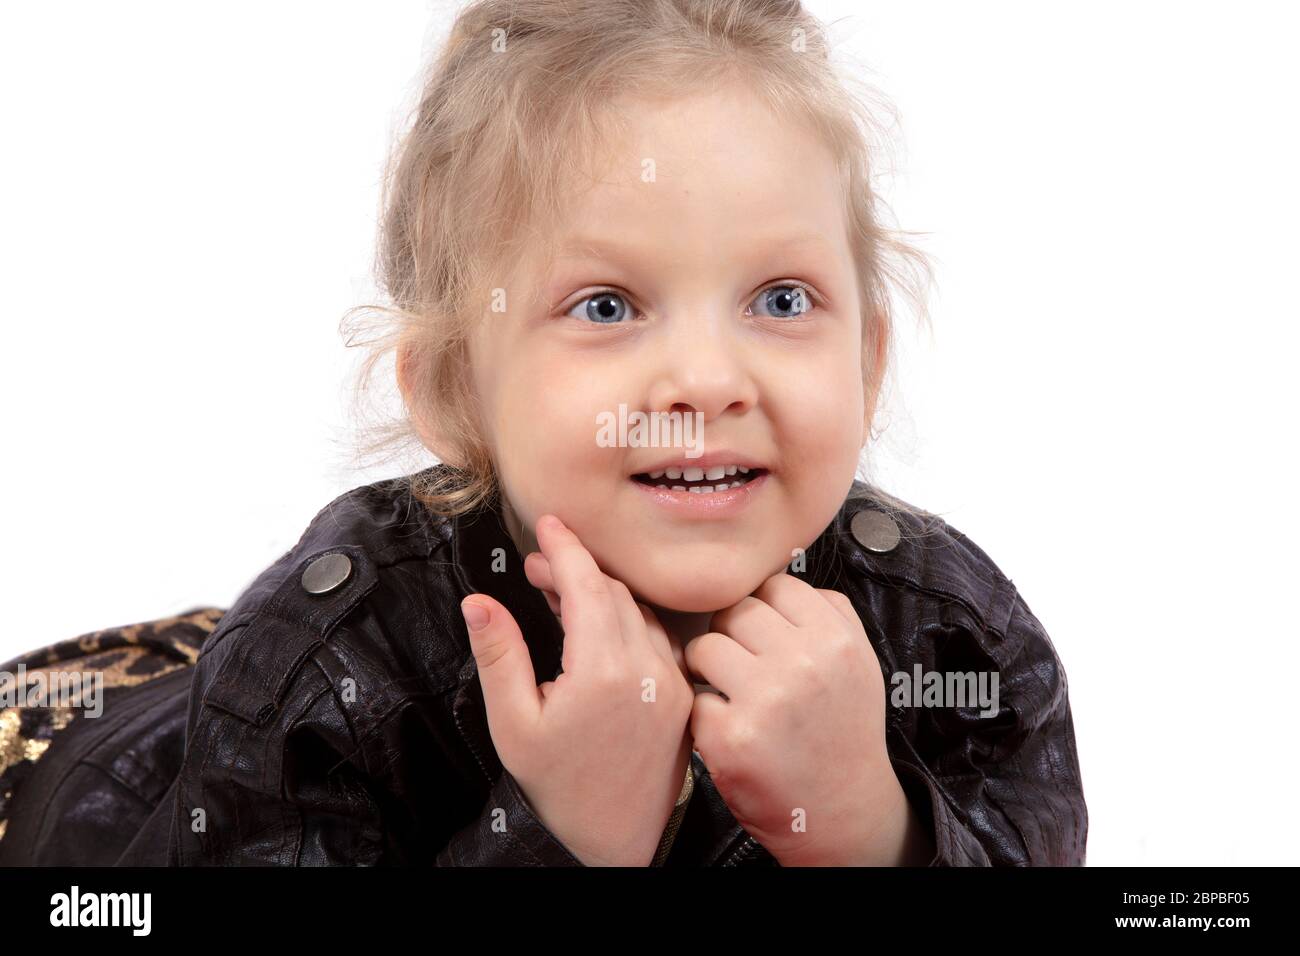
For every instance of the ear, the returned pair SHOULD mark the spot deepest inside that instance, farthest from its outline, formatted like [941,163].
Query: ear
[431,436]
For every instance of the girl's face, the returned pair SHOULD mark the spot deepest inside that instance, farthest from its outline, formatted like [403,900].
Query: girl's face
[675,289]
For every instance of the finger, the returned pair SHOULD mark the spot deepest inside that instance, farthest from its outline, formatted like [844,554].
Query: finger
[655,632]
[538,571]
[753,624]
[842,605]
[591,624]
[715,659]
[505,668]
[630,621]
[553,602]
[795,600]
[630,618]
[679,656]
[707,713]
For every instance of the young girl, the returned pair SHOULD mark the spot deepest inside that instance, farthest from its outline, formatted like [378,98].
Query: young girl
[557,649]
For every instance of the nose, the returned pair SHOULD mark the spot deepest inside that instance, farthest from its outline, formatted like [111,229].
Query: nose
[702,367]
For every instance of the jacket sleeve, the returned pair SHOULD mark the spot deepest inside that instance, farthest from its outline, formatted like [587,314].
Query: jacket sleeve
[300,791]
[1005,790]
[289,791]
[442,803]
[280,771]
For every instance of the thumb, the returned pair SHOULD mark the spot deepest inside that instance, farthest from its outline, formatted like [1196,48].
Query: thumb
[679,655]
[505,668]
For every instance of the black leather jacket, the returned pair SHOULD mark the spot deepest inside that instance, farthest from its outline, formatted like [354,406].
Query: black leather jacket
[348,726]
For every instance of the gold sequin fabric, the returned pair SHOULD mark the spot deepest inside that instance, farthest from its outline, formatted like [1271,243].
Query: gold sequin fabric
[122,656]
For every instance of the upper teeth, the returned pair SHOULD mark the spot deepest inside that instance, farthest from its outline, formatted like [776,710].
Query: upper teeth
[700,474]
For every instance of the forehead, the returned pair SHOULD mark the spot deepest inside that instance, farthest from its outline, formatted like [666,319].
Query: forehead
[709,171]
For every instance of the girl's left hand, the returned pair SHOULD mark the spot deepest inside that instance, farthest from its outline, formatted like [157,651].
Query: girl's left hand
[797,750]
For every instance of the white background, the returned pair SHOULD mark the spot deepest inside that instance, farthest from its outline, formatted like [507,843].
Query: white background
[188,197]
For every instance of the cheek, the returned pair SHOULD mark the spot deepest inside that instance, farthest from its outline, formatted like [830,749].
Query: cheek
[821,415]
[545,425]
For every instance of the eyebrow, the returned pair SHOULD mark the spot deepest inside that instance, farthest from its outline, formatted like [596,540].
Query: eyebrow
[582,247]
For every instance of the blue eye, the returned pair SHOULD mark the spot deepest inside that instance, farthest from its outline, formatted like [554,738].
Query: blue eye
[787,300]
[607,308]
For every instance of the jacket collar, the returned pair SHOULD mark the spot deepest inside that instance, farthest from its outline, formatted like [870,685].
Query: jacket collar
[487,561]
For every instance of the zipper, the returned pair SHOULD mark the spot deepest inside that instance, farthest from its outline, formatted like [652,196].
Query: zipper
[748,847]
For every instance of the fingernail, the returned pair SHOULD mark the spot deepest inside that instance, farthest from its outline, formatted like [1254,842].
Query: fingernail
[476,615]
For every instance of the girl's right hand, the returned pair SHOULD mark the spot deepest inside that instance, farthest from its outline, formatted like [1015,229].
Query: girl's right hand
[601,751]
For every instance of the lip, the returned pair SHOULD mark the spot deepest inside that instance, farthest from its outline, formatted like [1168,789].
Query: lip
[717,504]
[722,457]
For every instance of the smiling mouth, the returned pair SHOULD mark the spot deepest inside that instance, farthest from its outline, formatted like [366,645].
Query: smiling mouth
[697,479]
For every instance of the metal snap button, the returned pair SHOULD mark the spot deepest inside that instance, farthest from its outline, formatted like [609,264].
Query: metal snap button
[875,530]
[326,573]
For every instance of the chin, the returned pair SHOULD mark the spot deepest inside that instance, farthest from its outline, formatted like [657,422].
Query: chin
[697,593]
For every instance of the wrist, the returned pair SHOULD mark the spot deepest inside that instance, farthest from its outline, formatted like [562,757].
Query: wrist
[889,833]
[898,837]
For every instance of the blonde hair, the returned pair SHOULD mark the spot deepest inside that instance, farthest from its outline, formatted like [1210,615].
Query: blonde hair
[488,153]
